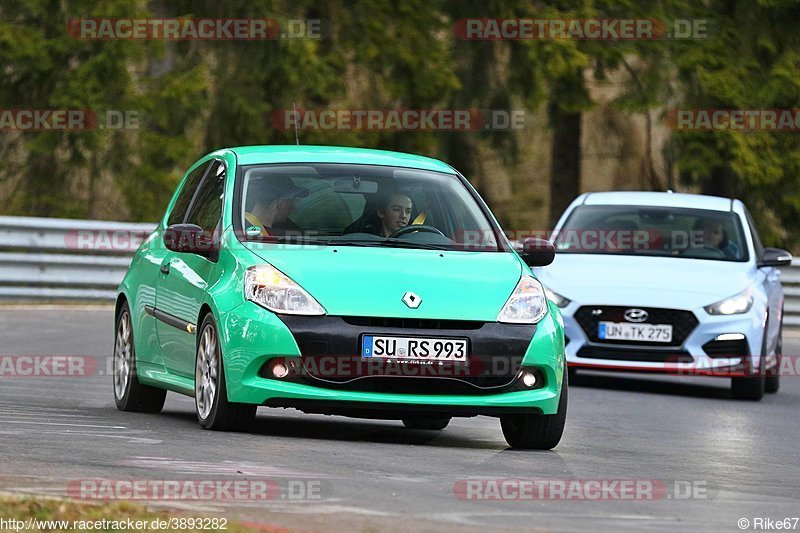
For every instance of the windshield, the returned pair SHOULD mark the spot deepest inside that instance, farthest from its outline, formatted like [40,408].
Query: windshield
[654,231]
[361,205]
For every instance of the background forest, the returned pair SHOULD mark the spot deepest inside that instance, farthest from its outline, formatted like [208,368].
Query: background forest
[594,110]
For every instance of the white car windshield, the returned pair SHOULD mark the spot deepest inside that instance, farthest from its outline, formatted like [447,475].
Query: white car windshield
[654,231]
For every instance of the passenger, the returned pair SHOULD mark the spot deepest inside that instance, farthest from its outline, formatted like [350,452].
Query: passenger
[272,203]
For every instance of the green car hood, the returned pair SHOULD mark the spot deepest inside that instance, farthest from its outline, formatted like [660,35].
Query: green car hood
[368,281]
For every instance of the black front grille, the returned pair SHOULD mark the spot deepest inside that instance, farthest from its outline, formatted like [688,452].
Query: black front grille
[495,354]
[682,322]
[732,348]
[407,385]
[629,354]
[397,378]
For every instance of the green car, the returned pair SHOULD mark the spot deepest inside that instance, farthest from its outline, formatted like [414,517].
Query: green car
[340,281]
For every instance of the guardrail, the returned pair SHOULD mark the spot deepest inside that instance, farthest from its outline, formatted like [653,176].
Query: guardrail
[63,259]
[790,277]
[46,259]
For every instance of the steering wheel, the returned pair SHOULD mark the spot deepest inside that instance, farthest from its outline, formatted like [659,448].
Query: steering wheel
[706,247]
[413,229]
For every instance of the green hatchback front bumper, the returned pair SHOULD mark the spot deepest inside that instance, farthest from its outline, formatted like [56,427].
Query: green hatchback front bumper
[253,338]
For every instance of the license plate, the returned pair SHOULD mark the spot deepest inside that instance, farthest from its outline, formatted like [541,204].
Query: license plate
[635,332]
[414,348]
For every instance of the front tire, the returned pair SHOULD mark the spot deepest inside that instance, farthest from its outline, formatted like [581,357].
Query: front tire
[750,387]
[537,432]
[573,375]
[213,409]
[433,424]
[129,394]
[772,382]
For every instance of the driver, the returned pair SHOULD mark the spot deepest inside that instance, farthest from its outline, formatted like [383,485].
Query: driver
[713,235]
[394,213]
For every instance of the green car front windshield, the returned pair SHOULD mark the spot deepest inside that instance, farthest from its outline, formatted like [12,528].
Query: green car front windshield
[361,205]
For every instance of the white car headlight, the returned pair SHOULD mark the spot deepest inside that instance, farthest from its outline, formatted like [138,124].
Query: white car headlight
[735,305]
[526,305]
[269,287]
[556,298]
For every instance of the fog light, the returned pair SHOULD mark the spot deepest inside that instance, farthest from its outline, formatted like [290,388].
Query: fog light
[730,337]
[280,370]
[528,379]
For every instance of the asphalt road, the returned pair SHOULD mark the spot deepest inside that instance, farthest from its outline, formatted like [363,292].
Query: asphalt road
[741,458]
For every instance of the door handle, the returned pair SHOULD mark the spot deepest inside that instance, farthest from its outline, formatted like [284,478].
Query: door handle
[164,268]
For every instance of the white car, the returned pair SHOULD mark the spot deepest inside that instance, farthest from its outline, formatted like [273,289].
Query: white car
[667,282]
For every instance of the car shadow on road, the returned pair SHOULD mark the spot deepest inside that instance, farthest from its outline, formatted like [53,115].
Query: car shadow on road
[272,423]
[358,430]
[653,384]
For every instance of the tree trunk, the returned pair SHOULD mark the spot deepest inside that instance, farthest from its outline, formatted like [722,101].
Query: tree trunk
[721,183]
[565,169]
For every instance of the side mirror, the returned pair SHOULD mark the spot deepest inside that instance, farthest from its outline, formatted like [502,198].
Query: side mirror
[775,257]
[537,252]
[189,238]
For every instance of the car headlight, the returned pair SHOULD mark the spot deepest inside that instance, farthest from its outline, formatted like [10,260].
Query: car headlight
[269,287]
[556,298]
[735,305]
[526,305]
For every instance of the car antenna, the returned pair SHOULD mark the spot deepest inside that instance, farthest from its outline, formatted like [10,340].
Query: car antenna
[294,114]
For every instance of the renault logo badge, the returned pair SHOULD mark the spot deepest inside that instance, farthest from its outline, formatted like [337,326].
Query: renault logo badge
[412,300]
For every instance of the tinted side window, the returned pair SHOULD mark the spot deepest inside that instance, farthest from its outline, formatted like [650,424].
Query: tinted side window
[206,209]
[754,232]
[178,213]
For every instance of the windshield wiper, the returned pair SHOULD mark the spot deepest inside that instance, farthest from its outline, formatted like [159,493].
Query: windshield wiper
[302,239]
[298,239]
[385,242]
[351,242]
[413,244]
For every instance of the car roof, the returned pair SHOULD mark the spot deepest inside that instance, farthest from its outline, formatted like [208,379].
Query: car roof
[659,199]
[267,154]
